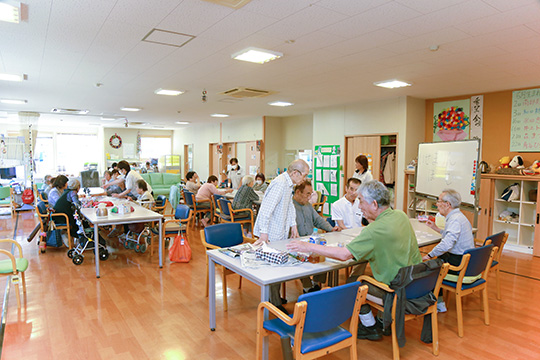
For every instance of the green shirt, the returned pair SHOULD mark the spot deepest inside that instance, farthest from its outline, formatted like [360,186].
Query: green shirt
[388,244]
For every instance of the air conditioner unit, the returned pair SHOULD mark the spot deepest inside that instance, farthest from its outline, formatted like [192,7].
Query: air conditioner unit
[242,92]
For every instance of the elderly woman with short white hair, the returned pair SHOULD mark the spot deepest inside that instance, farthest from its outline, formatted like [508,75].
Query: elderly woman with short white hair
[245,196]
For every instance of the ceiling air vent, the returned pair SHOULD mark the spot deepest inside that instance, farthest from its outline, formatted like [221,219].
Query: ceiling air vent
[69,111]
[242,92]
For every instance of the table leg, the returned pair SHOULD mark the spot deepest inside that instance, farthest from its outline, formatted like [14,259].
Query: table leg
[212,293]
[96,249]
[265,295]
[160,243]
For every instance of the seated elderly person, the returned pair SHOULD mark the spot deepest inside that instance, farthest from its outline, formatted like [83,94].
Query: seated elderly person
[68,198]
[307,220]
[388,243]
[260,183]
[193,182]
[245,197]
[205,193]
[46,187]
[59,184]
[457,236]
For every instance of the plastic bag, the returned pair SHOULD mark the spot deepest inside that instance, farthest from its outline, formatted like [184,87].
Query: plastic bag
[511,193]
[180,250]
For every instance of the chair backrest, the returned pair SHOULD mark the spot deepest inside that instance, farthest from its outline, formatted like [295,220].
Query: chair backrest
[182,212]
[329,308]
[224,235]
[498,240]
[224,206]
[422,286]
[331,222]
[478,260]
[42,208]
[215,198]
[4,192]
[188,197]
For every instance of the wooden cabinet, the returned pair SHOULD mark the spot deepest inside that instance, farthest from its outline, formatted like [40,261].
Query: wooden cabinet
[414,205]
[519,218]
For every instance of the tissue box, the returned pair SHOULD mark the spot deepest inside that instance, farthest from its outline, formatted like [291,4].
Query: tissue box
[272,257]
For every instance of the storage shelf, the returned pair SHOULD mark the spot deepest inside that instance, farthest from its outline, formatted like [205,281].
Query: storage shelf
[530,225]
[506,222]
[511,201]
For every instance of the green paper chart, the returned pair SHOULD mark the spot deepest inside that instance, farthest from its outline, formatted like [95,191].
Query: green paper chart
[326,173]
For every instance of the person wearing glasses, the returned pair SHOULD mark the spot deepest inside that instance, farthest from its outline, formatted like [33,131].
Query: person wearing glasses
[457,236]
[276,218]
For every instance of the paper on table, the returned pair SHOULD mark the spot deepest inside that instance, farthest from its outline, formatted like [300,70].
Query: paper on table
[326,175]
[333,175]
[318,176]
[333,189]
[333,161]
[326,161]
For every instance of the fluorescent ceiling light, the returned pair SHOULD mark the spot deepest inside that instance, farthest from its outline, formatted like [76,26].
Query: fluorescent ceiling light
[182,122]
[13,77]
[255,55]
[130,109]
[10,11]
[219,115]
[391,84]
[13,101]
[168,92]
[280,103]
[108,118]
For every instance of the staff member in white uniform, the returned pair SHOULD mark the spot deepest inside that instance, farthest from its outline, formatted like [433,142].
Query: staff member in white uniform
[346,212]
[235,173]
[131,177]
[362,172]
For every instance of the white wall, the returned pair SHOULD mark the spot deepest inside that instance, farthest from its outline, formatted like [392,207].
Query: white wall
[200,136]
[242,130]
[297,132]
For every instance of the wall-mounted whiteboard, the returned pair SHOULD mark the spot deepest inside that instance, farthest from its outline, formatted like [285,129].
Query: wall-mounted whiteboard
[451,164]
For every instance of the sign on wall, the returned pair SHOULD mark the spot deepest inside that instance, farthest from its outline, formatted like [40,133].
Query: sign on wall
[525,129]
[326,173]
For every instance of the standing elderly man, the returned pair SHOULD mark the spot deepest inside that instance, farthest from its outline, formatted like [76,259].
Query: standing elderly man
[276,217]
[457,236]
[388,243]
[306,220]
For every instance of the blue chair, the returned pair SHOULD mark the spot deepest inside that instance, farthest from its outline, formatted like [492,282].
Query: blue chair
[498,240]
[178,223]
[160,204]
[416,289]
[472,277]
[215,207]
[227,214]
[220,236]
[315,327]
[198,206]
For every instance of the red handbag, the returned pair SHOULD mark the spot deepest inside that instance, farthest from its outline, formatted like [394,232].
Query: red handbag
[180,250]
[28,196]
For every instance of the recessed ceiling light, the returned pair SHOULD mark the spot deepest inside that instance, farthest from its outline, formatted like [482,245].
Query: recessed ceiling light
[168,92]
[10,11]
[182,122]
[391,84]
[255,55]
[108,118]
[280,103]
[13,101]
[130,109]
[13,77]
[219,115]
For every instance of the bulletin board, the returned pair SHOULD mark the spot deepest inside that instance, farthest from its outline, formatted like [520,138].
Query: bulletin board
[525,130]
[326,173]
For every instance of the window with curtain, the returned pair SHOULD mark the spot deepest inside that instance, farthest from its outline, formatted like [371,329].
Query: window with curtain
[74,151]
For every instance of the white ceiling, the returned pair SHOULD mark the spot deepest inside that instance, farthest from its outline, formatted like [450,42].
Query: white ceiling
[339,48]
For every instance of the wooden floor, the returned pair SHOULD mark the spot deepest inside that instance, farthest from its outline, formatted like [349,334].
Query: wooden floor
[137,311]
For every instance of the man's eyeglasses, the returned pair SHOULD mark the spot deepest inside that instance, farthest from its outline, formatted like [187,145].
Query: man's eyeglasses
[302,175]
[439,201]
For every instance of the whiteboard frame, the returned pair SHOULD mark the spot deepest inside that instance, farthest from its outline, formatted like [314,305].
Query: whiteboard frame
[477,178]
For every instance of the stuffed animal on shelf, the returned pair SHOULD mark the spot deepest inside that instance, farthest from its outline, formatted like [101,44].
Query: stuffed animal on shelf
[504,162]
[517,162]
[534,169]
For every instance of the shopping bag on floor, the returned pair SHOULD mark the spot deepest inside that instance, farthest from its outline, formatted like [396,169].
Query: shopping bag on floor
[180,250]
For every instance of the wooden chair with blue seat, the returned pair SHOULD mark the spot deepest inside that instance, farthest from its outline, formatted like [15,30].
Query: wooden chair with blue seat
[177,223]
[220,236]
[228,214]
[195,204]
[498,240]
[319,205]
[472,277]
[14,266]
[416,289]
[160,204]
[315,327]
[215,207]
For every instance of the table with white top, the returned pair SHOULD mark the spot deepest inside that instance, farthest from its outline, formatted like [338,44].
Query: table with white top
[232,194]
[93,191]
[268,275]
[139,215]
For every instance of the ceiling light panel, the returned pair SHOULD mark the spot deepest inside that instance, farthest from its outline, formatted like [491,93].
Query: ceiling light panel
[219,115]
[280,103]
[391,84]
[132,109]
[13,77]
[182,122]
[168,92]
[13,101]
[256,55]
[10,11]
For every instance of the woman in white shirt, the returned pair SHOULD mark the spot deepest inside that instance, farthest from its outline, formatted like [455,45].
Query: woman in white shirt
[235,173]
[362,172]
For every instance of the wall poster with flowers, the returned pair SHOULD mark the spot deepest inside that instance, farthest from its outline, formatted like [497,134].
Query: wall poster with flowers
[451,120]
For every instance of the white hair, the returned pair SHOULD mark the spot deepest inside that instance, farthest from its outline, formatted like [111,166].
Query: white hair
[452,197]
[248,179]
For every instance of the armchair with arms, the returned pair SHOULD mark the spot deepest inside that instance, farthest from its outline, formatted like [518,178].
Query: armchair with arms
[498,240]
[227,214]
[14,266]
[195,204]
[176,224]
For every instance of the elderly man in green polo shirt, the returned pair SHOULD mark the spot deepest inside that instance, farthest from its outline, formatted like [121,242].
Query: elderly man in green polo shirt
[388,243]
